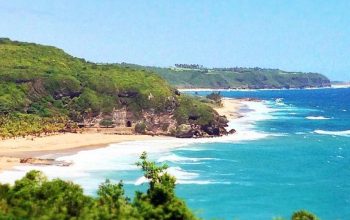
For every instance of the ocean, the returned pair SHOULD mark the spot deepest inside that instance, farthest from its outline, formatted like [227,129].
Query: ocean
[291,151]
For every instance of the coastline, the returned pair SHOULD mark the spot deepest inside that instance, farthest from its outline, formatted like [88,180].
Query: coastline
[247,90]
[230,108]
[12,150]
[54,146]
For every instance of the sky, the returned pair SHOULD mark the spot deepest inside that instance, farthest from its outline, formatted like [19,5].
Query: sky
[293,35]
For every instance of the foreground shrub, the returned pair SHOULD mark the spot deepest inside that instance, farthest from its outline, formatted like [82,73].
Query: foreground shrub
[304,215]
[35,197]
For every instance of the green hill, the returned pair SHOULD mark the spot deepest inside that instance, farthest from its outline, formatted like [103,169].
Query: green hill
[195,76]
[43,89]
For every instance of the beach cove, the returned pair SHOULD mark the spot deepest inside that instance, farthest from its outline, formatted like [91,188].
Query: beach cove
[56,145]
[288,153]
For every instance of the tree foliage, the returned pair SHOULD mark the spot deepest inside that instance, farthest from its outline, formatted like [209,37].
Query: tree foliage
[196,76]
[215,97]
[36,197]
[192,109]
[17,124]
[304,215]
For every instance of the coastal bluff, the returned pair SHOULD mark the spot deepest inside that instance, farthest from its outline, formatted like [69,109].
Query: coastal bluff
[44,90]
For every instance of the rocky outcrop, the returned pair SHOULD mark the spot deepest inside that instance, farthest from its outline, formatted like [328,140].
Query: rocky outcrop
[184,131]
[232,131]
[128,94]
[39,161]
[151,122]
[61,93]
[159,123]
[211,130]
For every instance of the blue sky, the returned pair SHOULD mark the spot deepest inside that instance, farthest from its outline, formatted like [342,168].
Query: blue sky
[299,35]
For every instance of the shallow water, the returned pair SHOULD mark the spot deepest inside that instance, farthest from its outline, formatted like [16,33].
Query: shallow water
[291,151]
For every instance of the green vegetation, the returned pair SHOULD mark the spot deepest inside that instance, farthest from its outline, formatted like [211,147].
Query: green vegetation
[32,73]
[193,109]
[196,76]
[42,83]
[304,215]
[216,98]
[106,123]
[17,124]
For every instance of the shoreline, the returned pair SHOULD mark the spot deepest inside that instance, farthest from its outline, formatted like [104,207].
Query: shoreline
[58,145]
[247,90]
[230,108]
[51,147]
[72,163]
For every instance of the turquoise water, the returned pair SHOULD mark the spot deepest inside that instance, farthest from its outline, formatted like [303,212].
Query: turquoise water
[291,151]
[307,166]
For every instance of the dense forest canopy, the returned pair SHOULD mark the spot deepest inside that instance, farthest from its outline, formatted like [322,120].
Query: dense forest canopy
[197,76]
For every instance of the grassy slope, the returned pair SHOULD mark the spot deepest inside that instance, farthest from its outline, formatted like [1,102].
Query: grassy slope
[39,82]
[237,78]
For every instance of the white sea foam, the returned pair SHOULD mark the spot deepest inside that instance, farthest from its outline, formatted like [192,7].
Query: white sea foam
[340,86]
[336,133]
[279,102]
[182,177]
[203,182]
[141,180]
[317,118]
[176,158]
[185,177]
[122,156]
[300,133]
[181,174]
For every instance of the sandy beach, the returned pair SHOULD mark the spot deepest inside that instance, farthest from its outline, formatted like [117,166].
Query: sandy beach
[230,108]
[12,150]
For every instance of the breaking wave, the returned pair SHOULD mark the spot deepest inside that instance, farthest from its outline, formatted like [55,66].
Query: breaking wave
[317,118]
[336,133]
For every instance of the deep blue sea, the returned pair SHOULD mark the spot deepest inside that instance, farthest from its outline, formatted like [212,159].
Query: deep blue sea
[291,152]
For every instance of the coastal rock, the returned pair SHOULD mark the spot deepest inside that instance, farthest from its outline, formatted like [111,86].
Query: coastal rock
[211,130]
[39,161]
[190,131]
[128,94]
[232,131]
[61,93]
[251,99]
[222,120]
[184,131]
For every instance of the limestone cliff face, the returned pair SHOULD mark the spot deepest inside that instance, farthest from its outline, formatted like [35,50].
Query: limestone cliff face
[159,124]
[122,121]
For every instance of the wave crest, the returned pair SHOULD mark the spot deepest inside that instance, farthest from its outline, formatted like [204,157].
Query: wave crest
[317,118]
[176,158]
[337,133]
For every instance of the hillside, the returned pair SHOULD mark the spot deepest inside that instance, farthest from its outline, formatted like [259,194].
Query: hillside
[43,90]
[196,76]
